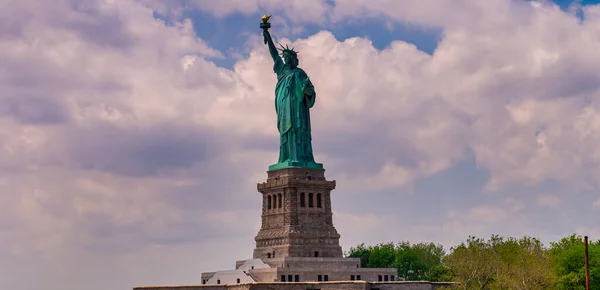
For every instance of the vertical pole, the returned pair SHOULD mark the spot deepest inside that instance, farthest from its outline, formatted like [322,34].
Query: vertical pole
[587,265]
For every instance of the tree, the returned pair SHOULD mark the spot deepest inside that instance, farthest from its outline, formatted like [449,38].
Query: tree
[378,256]
[440,273]
[473,264]
[500,263]
[568,254]
[361,252]
[414,262]
[525,264]
[496,263]
[382,256]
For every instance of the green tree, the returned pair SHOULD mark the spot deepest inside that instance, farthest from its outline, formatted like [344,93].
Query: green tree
[525,264]
[414,262]
[362,252]
[500,263]
[382,256]
[473,264]
[440,273]
[496,263]
[568,254]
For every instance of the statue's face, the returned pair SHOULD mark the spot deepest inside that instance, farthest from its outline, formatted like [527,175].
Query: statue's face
[290,59]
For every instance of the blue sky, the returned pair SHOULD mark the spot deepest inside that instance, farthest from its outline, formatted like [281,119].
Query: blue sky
[564,4]
[224,33]
[134,132]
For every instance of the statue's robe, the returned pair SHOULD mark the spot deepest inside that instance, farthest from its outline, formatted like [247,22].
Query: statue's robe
[293,117]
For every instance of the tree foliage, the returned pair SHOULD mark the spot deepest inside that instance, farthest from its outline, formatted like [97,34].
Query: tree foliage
[361,251]
[495,263]
[414,262]
[568,254]
[500,263]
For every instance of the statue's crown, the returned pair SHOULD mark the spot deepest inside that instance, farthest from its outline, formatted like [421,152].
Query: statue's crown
[286,49]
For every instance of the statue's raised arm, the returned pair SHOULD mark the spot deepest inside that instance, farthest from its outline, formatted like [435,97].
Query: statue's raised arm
[294,97]
[265,25]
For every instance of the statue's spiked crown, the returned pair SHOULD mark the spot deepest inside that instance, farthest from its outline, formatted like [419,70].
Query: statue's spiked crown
[287,50]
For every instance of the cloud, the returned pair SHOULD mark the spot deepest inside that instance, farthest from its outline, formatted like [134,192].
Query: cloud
[429,13]
[140,151]
[297,11]
[497,14]
[472,94]
[348,98]
[548,201]
[105,147]
[123,144]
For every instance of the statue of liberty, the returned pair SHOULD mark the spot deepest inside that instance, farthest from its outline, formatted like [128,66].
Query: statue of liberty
[294,96]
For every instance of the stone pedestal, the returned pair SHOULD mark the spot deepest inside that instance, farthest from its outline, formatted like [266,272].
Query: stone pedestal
[297,216]
[297,241]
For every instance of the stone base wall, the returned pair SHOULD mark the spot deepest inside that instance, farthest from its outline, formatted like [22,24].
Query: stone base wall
[324,274]
[315,263]
[328,251]
[338,285]
[297,216]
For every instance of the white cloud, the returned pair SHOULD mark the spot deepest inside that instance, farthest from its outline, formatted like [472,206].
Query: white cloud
[430,13]
[482,214]
[505,218]
[120,137]
[465,13]
[498,96]
[96,111]
[297,11]
[549,201]
[592,233]
[376,227]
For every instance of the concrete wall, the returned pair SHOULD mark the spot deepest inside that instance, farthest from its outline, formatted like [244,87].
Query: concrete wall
[315,263]
[309,270]
[312,275]
[264,275]
[340,285]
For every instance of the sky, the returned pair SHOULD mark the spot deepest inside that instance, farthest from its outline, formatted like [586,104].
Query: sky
[133,132]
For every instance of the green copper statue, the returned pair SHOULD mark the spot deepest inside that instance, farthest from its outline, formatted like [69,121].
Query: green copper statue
[294,96]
